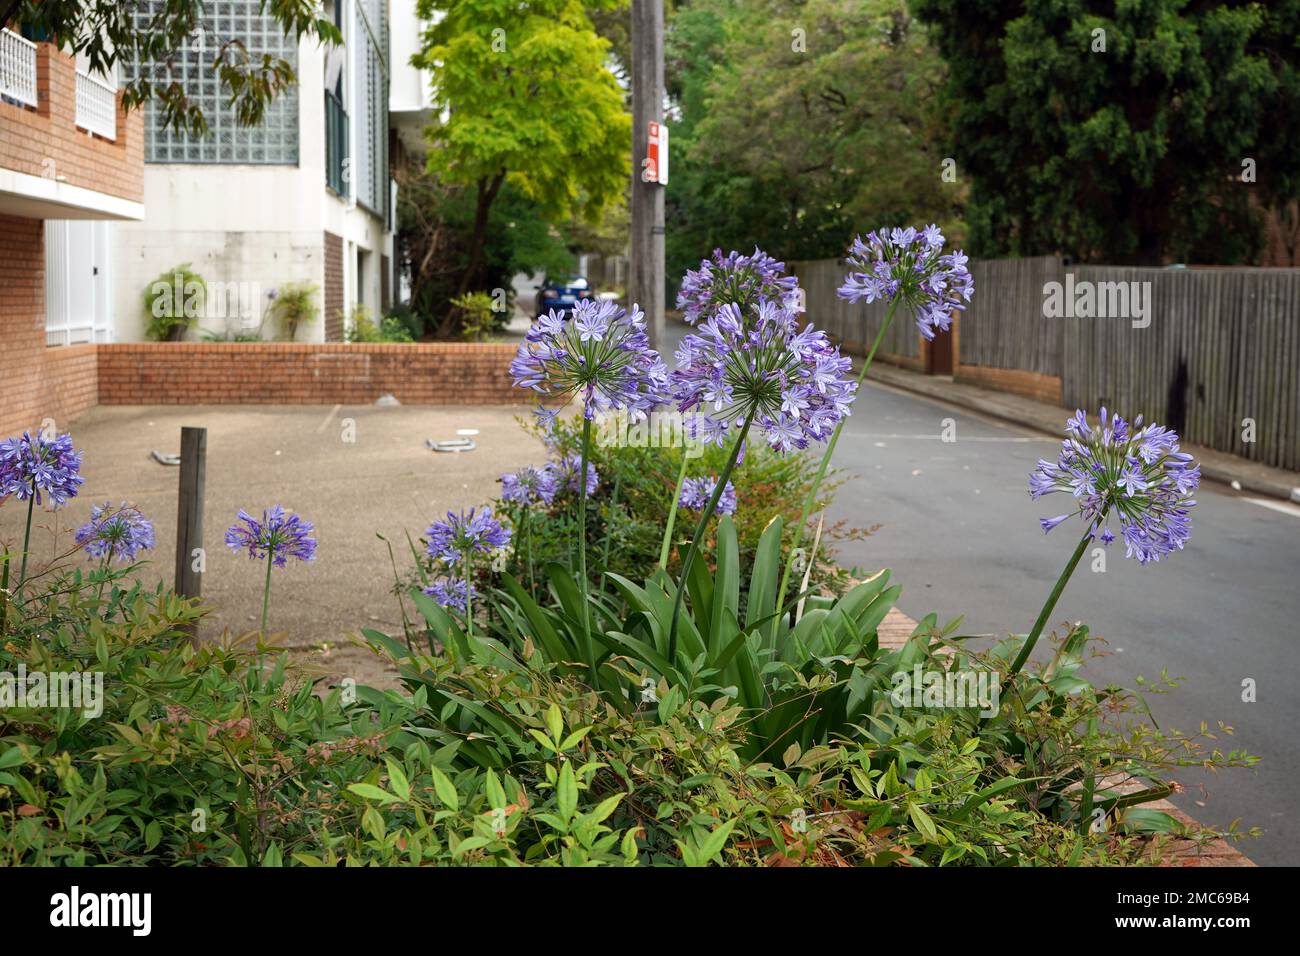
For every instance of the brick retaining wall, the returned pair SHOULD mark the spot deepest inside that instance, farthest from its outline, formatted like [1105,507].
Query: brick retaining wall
[36,383]
[233,373]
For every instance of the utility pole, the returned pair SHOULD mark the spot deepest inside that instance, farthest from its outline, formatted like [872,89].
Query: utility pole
[646,272]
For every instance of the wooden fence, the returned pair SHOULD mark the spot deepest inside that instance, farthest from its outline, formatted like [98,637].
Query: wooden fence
[855,326]
[1207,351]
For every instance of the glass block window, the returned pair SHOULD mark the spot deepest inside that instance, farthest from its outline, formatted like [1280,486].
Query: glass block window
[273,141]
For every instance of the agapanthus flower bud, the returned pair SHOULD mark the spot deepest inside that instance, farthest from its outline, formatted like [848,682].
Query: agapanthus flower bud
[696,493]
[737,280]
[909,265]
[449,592]
[278,535]
[471,532]
[1135,473]
[32,465]
[740,363]
[116,535]
[600,353]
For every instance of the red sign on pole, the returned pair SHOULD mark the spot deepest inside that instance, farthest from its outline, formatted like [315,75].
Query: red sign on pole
[654,168]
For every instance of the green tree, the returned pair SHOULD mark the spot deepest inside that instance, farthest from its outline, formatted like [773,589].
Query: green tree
[107,32]
[801,122]
[435,222]
[1117,131]
[527,96]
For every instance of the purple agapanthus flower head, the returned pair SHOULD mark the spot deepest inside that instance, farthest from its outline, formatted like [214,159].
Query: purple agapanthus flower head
[36,466]
[755,361]
[564,476]
[115,534]
[737,280]
[449,592]
[600,353]
[528,485]
[696,493]
[468,533]
[1134,473]
[910,265]
[279,535]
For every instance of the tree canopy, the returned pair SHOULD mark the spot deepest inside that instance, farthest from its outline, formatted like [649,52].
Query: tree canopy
[799,123]
[526,93]
[1124,132]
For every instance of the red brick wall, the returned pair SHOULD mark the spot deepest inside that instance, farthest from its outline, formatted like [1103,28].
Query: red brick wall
[45,141]
[36,382]
[192,373]
[70,381]
[333,288]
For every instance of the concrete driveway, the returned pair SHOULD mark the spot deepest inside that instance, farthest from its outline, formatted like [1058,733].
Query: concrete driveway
[384,480]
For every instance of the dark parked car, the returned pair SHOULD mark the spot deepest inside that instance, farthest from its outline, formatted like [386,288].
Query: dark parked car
[561,295]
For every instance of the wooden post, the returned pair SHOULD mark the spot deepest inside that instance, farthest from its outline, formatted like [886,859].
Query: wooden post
[646,273]
[189,513]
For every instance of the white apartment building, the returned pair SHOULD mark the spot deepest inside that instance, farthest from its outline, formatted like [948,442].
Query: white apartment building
[305,196]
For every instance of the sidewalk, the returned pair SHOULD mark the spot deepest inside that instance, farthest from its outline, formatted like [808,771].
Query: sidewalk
[1218,466]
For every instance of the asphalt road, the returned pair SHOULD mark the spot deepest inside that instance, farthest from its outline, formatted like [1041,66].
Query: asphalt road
[962,537]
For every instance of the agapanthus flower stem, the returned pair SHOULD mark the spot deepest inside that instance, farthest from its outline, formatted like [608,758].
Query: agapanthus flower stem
[469,596]
[103,576]
[609,526]
[811,497]
[1048,607]
[266,597]
[1027,648]
[528,544]
[27,540]
[672,515]
[705,515]
[4,597]
[582,549]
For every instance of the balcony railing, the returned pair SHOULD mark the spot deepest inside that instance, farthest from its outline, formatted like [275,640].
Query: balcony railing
[336,144]
[96,106]
[17,68]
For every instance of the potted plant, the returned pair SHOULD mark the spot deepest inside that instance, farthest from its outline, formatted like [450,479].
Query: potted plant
[173,302]
[295,305]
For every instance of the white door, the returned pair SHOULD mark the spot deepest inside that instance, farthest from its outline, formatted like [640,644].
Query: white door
[78,281]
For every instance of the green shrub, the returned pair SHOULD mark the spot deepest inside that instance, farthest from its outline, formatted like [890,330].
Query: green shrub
[294,306]
[1078,758]
[477,320]
[364,329]
[195,758]
[173,302]
[497,753]
[413,321]
[627,515]
[232,336]
[673,779]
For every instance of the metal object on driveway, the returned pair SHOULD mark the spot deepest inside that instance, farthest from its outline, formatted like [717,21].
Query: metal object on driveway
[165,459]
[455,444]
[464,441]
